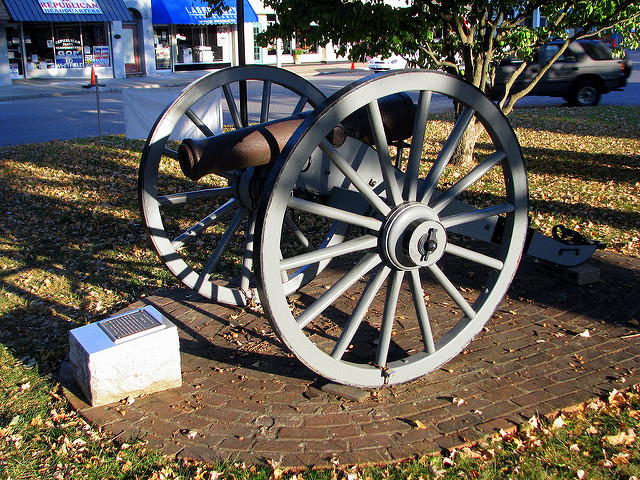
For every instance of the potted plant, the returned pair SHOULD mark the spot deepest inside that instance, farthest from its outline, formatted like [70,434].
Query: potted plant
[296,54]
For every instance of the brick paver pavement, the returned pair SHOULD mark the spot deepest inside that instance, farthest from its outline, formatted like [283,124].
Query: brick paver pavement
[245,398]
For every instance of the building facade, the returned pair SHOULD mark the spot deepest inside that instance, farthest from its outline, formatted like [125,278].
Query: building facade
[118,38]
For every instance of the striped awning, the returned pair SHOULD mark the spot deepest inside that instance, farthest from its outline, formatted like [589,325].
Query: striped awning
[67,10]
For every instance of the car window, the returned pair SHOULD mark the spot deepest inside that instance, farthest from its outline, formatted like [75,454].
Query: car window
[548,51]
[597,51]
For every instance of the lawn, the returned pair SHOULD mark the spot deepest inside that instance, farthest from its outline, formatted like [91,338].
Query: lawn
[73,251]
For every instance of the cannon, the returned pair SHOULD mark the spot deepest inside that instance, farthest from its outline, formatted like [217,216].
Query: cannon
[335,214]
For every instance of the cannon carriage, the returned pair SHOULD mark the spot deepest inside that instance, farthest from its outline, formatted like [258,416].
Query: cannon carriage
[335,216]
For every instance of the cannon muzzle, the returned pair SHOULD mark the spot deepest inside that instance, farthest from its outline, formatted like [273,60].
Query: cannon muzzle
[262,143]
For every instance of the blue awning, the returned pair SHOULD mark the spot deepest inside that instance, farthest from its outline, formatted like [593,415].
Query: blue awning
[195,12]
[67,10]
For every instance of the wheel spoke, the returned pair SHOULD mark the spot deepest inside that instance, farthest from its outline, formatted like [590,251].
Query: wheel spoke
[476,257]
[247,256]
[382,147]
[197,121]
[449,148]
[300,236]
[231,104]
[335,213]
[350,246]
[266,101]
[223,243]
[365,264]
[481,213]
[390,304]
[195,196]
[469,179]
[451,289]
[170,152]
[363,187]
[300,105]
[369,293]
[417,144]
[207,221]
[421,311]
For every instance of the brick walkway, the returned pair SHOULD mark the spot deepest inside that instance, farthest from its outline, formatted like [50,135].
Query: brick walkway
[243,397]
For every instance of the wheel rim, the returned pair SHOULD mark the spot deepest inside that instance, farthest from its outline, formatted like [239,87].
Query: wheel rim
[587,95]
[342,327]
[203,232]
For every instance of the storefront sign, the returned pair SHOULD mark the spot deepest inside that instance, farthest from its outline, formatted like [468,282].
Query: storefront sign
[199,15]
[71,6]
[101,56]
[222,36]
[68,53]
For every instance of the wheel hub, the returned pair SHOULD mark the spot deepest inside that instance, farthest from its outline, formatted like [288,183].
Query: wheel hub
[249,188]
[412,237]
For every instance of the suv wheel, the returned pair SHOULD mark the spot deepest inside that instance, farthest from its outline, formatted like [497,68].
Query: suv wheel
[585,94]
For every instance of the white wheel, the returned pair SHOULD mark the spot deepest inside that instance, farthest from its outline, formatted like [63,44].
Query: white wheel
[416,277]
[203,231]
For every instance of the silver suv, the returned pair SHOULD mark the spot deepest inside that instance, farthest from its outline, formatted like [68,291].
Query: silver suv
[581,75]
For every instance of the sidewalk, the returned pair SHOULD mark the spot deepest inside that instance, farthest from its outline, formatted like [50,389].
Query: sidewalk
[249,401]
[52,87]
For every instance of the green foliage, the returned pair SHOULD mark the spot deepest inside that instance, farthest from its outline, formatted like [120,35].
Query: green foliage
[465,38]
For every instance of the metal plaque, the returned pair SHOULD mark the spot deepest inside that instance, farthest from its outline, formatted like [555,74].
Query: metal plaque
[131,324]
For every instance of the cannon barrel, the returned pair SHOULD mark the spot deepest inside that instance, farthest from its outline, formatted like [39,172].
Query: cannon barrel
[262,143]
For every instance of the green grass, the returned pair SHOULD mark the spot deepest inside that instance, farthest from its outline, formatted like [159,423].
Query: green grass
[73,251]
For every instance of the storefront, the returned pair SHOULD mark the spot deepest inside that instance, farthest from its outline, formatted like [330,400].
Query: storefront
[47,38]
[187,37]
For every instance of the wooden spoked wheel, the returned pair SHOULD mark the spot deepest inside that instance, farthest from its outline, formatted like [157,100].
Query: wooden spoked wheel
[415,279]
[204,231]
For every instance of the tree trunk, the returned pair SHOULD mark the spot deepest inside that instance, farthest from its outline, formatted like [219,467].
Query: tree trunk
[464,154]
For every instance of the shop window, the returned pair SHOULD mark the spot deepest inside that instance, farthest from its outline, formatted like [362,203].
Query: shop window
[66,46]
[286,48]
[162,47]
[95,46]
[257,49]
[67,43]
[198,44]
[308,48]
[14,51]
[39,46]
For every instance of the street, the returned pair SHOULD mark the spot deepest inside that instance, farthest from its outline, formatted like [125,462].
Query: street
[73,116]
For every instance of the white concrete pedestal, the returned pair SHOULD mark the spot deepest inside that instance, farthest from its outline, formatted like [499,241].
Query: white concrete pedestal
[108,372]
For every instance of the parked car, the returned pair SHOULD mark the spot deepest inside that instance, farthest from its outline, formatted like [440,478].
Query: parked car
[584,72]
[394,62]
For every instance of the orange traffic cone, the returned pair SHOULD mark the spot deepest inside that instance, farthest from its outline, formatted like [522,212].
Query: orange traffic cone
[93,77]
[352,66]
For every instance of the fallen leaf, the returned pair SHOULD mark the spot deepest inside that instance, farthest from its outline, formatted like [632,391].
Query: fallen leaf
[419,425]
[586,334]
[191,434]
[622,438]
[557,423]
[574,448]
[621,458]
[25,386]
[616,397]
[458,401]
[580,474]
[467,452]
